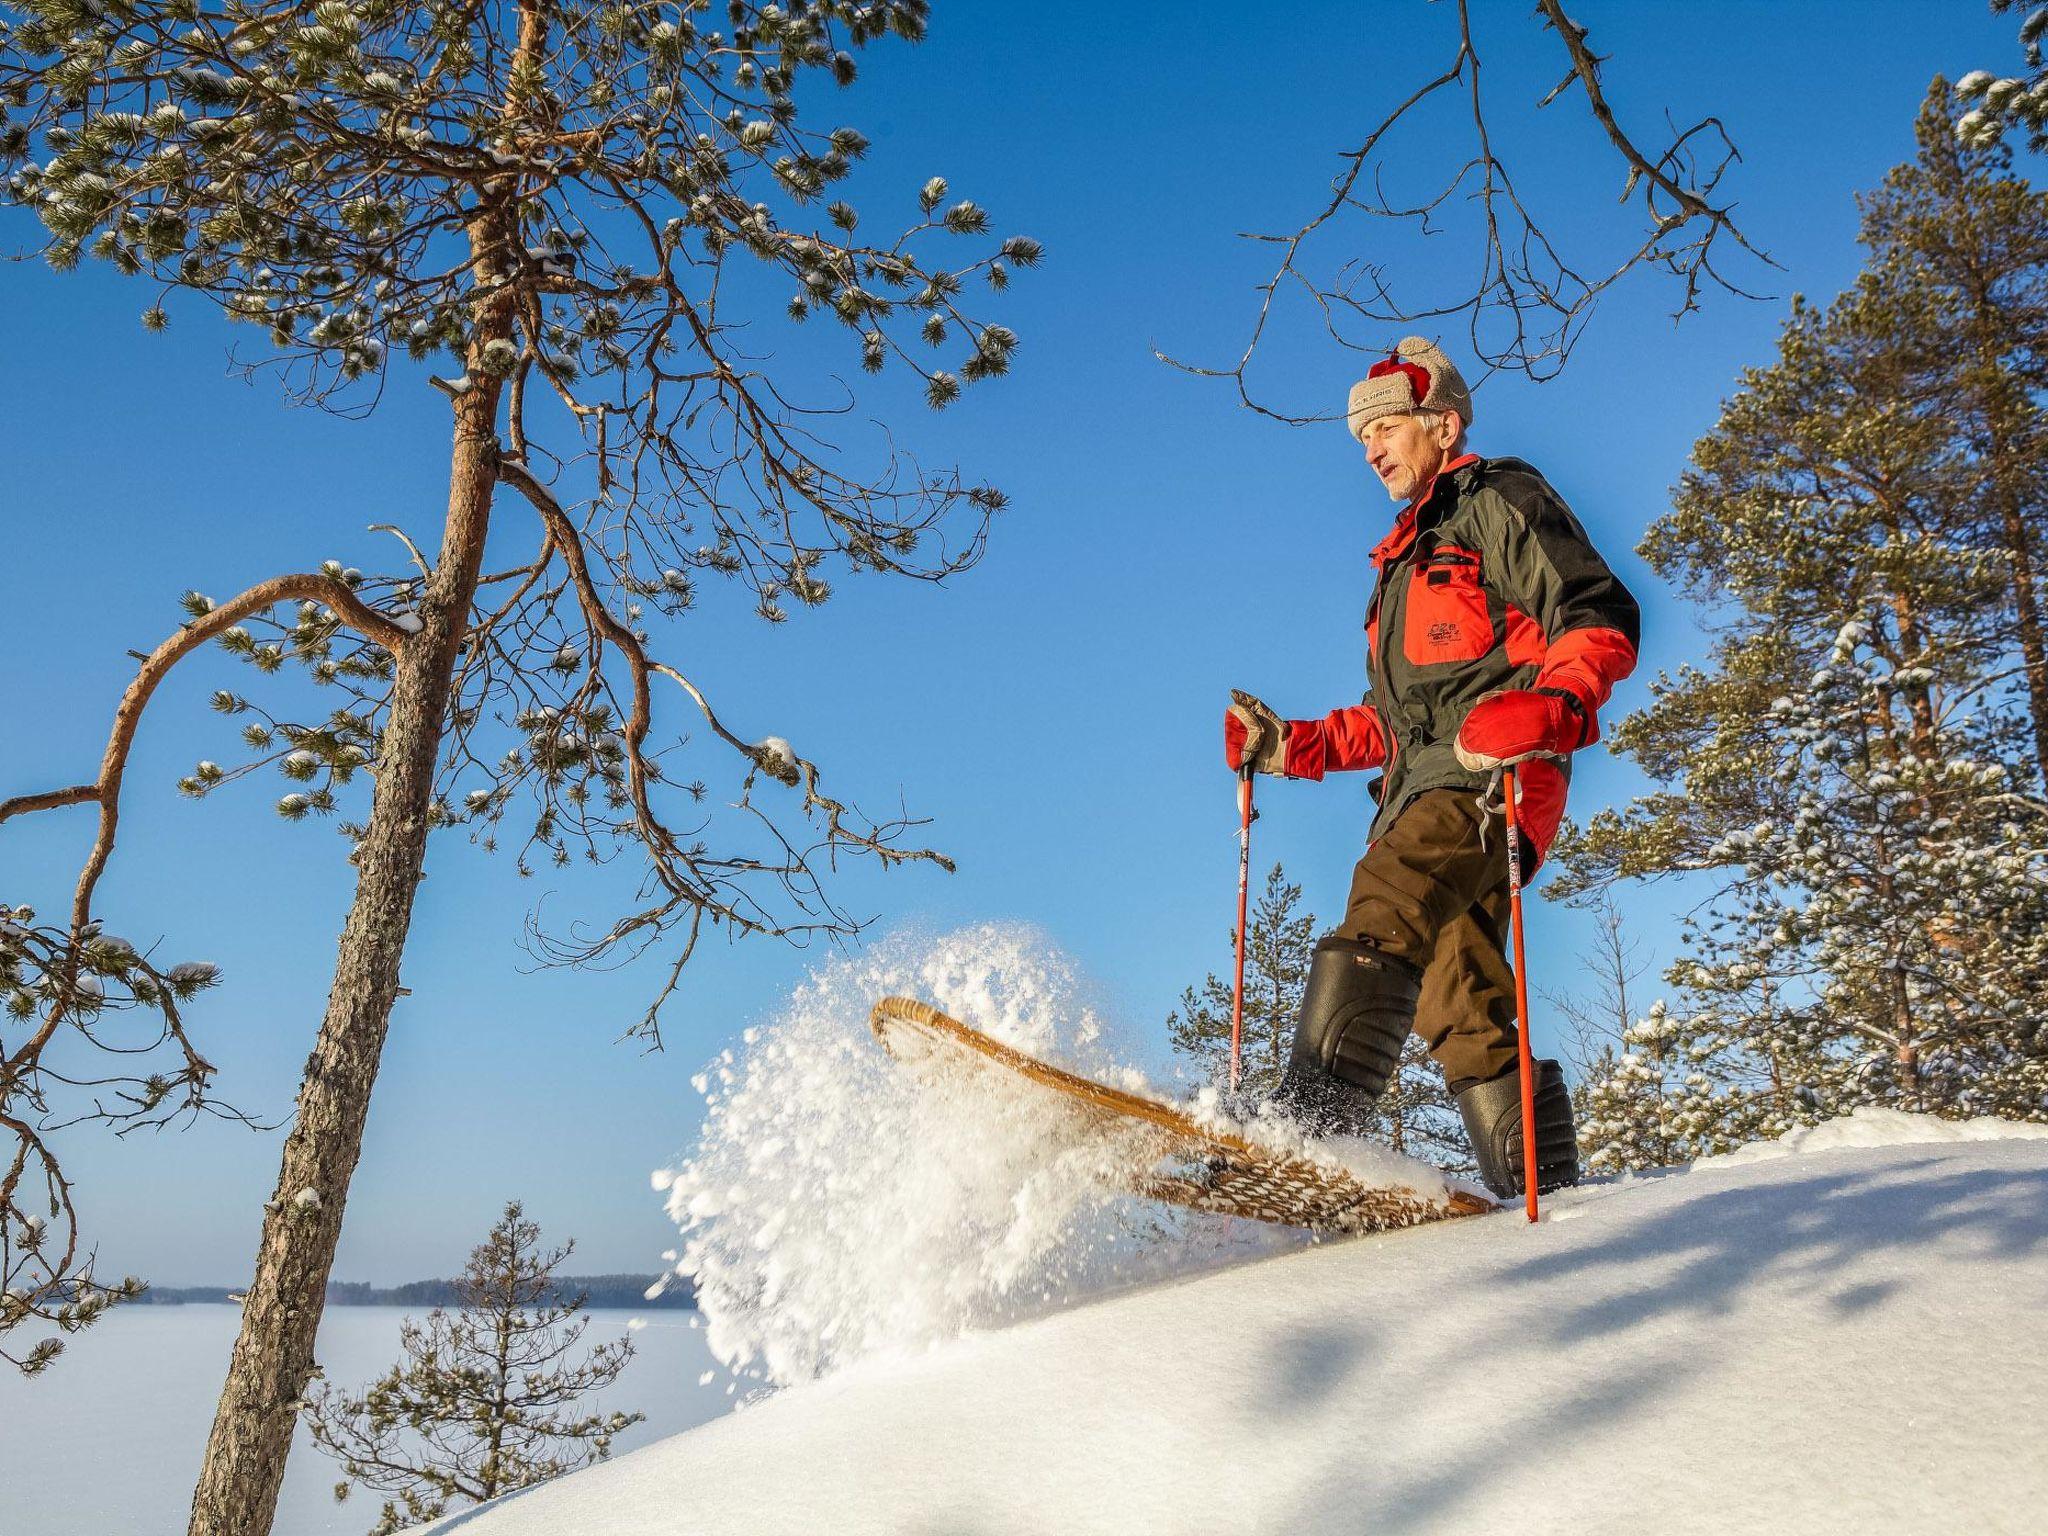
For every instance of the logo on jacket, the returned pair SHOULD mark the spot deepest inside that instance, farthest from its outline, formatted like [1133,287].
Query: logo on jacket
[1444,632]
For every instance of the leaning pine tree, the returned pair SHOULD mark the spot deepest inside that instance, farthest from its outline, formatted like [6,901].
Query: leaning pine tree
[574,213]
[487,1399]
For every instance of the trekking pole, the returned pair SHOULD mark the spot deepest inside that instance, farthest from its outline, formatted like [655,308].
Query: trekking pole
[1244,885]
[1521,999]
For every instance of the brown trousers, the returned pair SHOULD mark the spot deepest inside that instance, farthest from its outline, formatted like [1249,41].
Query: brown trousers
[1429,893]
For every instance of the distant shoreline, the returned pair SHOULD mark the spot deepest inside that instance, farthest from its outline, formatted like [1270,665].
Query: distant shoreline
[606,1292]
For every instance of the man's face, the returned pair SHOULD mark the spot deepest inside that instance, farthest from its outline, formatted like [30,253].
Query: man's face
[1405,451]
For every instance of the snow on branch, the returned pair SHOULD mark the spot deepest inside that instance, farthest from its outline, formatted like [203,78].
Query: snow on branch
[106,789]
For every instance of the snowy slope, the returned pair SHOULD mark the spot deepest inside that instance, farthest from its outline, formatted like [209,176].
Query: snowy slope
[1843,1332]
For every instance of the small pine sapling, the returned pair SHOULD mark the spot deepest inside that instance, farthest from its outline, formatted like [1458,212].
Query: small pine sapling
[486,1399]
[1415,1115]
[1280,939]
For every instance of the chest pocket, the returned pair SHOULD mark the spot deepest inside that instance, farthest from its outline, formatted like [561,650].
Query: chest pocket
[1445,617]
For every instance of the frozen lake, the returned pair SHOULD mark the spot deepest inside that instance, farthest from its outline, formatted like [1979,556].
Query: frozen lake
[109,1439]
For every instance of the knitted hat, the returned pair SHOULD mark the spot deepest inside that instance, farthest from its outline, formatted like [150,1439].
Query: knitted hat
[1418,377]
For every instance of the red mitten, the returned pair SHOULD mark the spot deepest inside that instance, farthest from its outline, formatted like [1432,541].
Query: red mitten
[1234,733]
[1252,732]
[1520,723]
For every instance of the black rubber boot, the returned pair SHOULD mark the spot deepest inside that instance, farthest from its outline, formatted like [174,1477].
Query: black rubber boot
[1493,1121]
[1356,1012]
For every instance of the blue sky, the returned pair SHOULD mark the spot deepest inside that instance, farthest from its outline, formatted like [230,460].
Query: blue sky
[1055,710]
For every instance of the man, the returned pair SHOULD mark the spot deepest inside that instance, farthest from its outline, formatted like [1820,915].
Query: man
[1494,634]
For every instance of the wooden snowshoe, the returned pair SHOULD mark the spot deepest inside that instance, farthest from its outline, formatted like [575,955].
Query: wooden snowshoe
[1173,1158]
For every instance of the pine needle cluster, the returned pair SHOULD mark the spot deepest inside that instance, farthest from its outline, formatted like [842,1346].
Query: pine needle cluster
[1999,102]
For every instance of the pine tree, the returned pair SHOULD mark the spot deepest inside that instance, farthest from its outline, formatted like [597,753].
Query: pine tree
[1959,249]
[1596,1018]
[1280,941]
[1855,763]
[1415,1115]
[1890,936]
[485,1398]
[585,218]
[1620,1092]
[1650,1089]
[1669,1091]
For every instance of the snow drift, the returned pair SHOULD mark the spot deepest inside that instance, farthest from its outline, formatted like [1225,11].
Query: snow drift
[1839,1332]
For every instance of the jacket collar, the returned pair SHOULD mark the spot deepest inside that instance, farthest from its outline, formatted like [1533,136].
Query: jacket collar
[1396,543]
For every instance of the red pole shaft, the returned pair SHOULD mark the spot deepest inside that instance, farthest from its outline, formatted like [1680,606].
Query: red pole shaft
[1521,1000]
[1244,886]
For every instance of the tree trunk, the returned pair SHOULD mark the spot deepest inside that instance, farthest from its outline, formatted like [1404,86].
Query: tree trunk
[1992,331]
[273,1358]
[501,1387]
[2027,611]
[1906,1054]
[1919,697]
[1278,1015]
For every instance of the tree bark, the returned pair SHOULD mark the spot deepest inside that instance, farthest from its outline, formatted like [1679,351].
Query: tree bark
[2026,610]
[1992,331]
[1919,697]
[1906,1054]
[273,1357]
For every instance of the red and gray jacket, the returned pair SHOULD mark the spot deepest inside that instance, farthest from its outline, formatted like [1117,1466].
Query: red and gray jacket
[1486,582]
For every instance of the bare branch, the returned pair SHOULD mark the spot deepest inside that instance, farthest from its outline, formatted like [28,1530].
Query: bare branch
[106,791]
[690,886]
[1527,303]
[49,800]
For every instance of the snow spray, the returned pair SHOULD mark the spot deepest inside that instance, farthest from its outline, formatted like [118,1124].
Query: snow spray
[838,1207]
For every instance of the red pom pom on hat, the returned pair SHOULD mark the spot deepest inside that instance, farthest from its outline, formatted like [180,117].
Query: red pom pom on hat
[1418,376]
